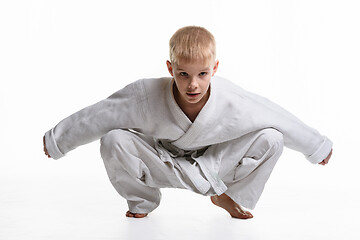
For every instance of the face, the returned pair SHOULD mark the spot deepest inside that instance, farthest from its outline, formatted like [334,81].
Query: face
[192,80]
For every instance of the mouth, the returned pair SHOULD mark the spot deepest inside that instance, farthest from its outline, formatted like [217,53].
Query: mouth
[192,95]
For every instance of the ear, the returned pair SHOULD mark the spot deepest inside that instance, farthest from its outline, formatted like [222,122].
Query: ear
[169,67]
[215,68]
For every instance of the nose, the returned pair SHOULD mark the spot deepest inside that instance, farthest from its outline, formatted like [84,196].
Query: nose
[193,85]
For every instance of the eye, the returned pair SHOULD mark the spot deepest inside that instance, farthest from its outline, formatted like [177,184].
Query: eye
[203,74]
[183,74]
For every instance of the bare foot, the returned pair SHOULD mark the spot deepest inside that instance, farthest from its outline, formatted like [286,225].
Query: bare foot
[136,215]
[235,210]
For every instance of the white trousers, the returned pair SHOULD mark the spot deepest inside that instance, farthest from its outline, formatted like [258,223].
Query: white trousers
[137,172]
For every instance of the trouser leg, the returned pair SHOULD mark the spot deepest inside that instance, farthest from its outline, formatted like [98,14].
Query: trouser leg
[135,169]
[247,179]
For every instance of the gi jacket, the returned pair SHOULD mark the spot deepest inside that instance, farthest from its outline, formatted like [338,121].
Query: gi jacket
[148,106]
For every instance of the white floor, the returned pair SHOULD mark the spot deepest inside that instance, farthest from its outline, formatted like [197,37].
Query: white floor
[73,199]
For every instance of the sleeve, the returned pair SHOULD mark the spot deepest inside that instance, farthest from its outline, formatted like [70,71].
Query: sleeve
[122,110]
[297,135]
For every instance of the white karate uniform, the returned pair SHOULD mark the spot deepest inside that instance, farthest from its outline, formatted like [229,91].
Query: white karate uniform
[149,143]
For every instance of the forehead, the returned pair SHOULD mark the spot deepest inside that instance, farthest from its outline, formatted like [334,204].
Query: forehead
[193,66]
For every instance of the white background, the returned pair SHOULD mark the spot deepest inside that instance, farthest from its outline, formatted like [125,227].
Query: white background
[57,57]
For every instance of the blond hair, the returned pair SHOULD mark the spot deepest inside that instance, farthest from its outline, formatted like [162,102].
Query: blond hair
[192,43]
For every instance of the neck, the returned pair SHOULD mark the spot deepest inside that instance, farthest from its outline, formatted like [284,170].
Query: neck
[191,110]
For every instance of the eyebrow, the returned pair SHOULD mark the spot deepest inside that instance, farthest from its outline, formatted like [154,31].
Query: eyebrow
[205,69]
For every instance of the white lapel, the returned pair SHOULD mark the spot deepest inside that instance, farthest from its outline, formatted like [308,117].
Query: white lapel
[191,130]
[181,119]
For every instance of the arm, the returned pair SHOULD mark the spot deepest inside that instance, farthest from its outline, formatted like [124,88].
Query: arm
[297,135]
[121,110]
[254,112]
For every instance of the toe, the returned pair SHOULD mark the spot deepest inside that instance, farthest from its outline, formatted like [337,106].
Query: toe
[129,214]
[136,215]
[249,215]
[140,215]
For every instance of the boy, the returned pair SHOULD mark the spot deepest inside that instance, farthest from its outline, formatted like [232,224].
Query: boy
[192,131]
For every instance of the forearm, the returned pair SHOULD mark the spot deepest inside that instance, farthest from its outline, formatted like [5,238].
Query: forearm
[297,135]
[80,128]
[91,123]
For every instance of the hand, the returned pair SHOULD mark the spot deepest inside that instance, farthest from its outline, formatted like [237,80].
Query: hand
[326,160]
[45,150]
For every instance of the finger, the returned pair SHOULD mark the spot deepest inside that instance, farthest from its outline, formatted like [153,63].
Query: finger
[44,145]
[329,156]
[326,160]
[46,153]
[45,149]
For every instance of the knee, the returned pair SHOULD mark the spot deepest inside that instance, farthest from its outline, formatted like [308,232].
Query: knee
[113,140]
[268,142]
[110,138]
[272,138]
